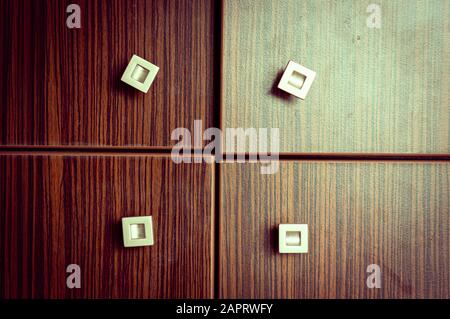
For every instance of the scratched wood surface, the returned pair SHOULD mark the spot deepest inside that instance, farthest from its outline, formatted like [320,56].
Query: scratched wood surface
[376,91]
[394,214]
[61,86]
[59,210]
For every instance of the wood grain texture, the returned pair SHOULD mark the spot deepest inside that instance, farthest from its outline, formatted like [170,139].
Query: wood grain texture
[376,91]
[60,210]
[61,86]
[394,214]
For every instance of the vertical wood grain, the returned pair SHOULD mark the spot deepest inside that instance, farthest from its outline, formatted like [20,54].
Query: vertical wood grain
[61,86]
[376,91]
[395,215]
[60,210]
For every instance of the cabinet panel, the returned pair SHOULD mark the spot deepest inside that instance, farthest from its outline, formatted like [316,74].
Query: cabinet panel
[61,86]
[395,215]
[376,90]
[59,210]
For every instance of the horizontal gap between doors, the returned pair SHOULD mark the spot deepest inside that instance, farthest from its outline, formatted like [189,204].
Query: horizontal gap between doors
[167,151]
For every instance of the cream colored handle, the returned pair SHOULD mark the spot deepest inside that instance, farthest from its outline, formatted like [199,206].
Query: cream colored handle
[293,238]
[137,231]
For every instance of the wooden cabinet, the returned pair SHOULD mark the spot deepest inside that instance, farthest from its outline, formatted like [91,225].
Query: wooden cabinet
[61,86]
[57,210]
[80,150]
[392,214]
[376,91]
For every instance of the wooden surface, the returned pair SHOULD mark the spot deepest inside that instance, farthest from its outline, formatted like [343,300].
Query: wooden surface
[60,210]
[61,86]
[376,91]
[394,214]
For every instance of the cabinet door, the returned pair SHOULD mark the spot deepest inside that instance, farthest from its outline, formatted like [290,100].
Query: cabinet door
[393,215]
[376,91]
[61,86]
[60,210]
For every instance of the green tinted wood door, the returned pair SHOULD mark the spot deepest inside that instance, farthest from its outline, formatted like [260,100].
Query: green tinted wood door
[380,90]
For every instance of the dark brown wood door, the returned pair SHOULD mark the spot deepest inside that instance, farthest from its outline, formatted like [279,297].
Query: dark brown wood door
[57,210]
[61,86]
[392,214]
